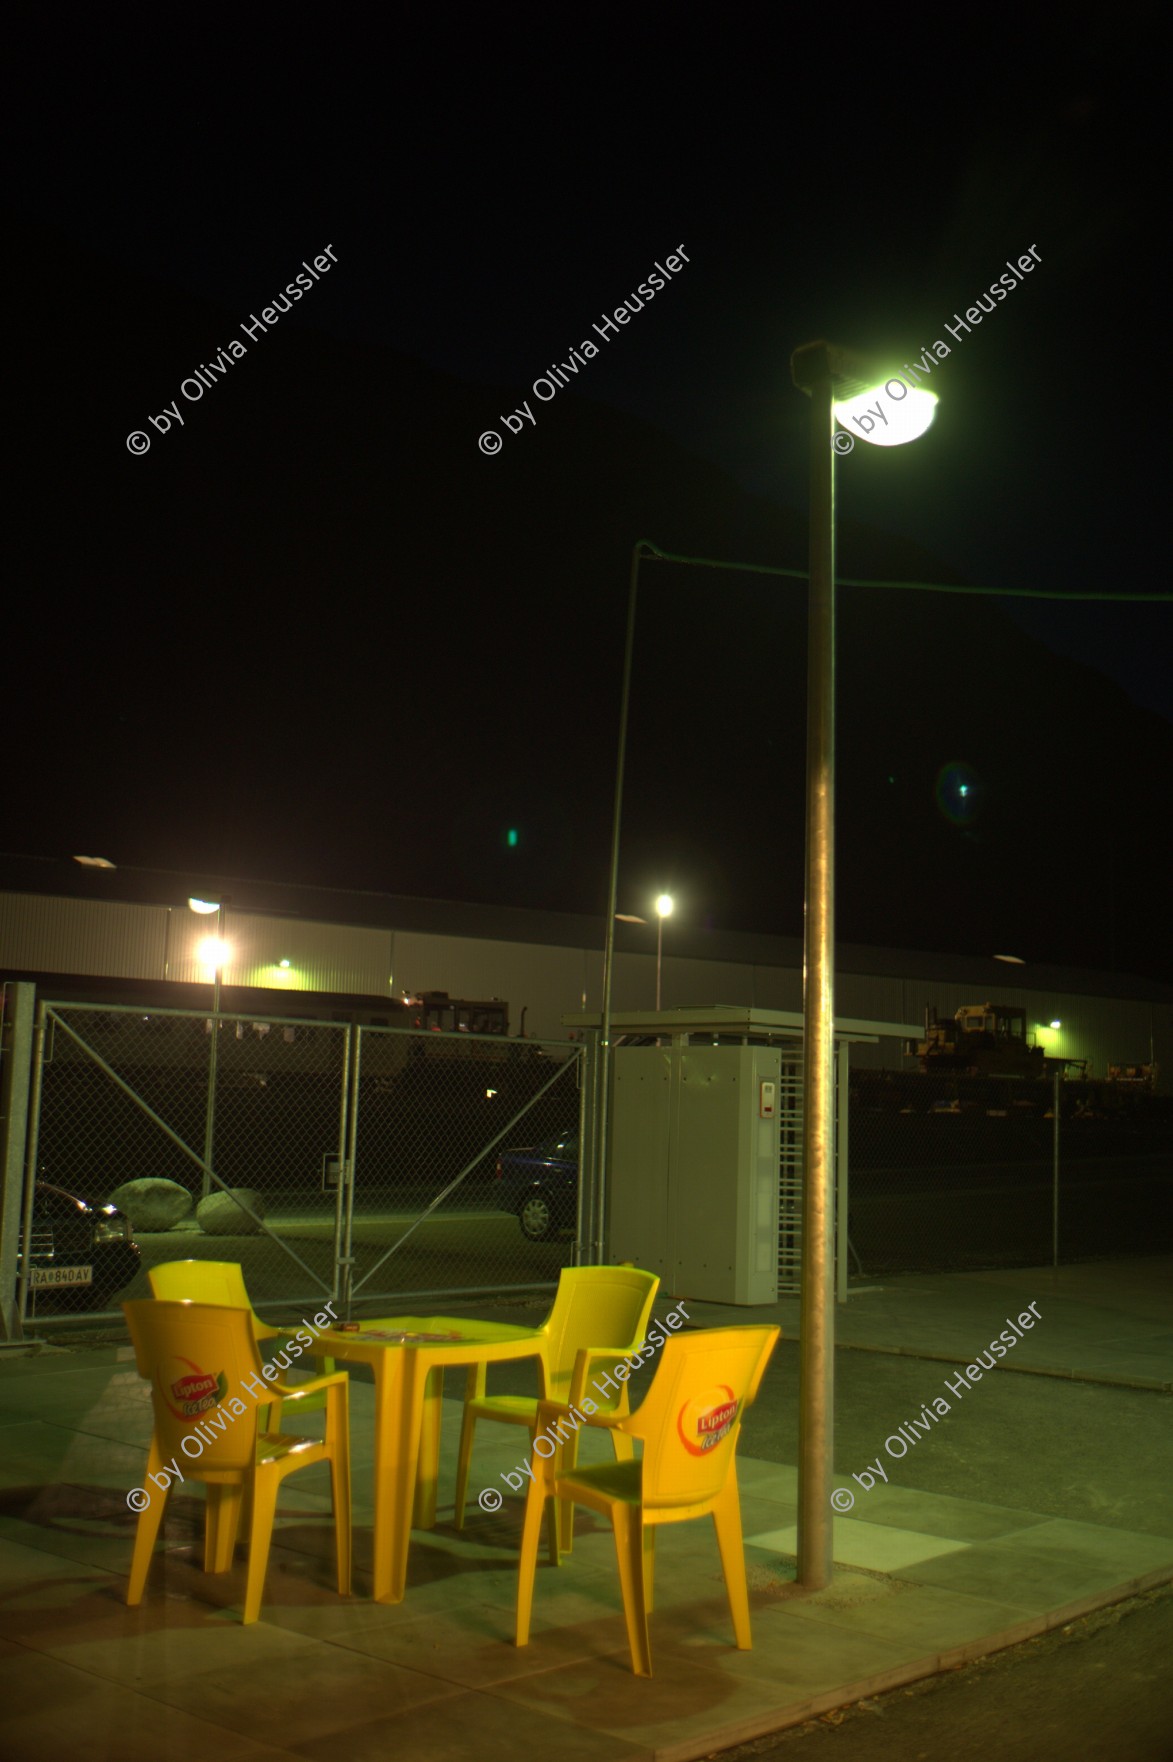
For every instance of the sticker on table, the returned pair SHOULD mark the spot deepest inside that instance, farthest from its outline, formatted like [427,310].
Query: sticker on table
[405,1336]
[706,1419]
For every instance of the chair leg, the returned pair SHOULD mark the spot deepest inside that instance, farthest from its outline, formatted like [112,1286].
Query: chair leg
[338,1446]
[468,1426]
[146,1532]
[565,1507]
[727,1521]
[629,1552]
[527,1563]
[623,1446]
[649,1560]
[340,1495]
[260,1536]
[221,1523]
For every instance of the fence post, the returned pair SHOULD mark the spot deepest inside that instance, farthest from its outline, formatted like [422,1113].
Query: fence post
[15,1061]
[347,1139]
[1055,1170]
[585,1248]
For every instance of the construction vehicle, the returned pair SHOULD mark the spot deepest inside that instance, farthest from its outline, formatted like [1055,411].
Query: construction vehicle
[982,1040]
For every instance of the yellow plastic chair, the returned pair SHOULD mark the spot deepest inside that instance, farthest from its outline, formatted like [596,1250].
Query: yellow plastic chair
[202,1363]
[599,1315]
[689,1423]
[222,1281]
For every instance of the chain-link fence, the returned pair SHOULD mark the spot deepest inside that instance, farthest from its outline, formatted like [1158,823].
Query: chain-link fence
[209,1134]
[465,1152]
[952,1173]
[327,1158]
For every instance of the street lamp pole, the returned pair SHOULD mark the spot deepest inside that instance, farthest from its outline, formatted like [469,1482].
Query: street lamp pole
[835,380]
[203,908]
[812,372]
[214,1058]
[663,910]
[602,1091]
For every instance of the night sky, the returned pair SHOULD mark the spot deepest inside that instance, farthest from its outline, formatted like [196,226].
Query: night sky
[314,633]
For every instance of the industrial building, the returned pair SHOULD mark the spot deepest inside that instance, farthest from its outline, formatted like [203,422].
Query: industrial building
[120,935]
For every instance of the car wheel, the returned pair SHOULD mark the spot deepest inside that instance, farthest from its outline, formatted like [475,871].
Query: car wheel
[536,1218]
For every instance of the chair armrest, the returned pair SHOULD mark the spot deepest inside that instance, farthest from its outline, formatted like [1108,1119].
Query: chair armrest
[550,1412]
[291,1393]
[590,1358]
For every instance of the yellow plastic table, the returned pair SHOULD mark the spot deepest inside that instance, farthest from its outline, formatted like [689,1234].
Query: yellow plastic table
[409,1380]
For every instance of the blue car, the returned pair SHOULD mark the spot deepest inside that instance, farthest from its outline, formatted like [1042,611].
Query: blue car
[539,1184]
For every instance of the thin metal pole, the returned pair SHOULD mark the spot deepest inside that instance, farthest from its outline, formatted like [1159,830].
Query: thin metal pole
[347,1134]
[659,956]
[603,1062]
[1055,1171]
[213,1062]
[842,1242]
[32,1149]
[817,1362]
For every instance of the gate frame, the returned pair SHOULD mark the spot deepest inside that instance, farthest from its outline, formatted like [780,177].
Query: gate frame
[48,1011]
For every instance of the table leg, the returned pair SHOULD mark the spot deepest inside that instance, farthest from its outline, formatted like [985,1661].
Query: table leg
[398,1411]
[428,1472]
[386,1372]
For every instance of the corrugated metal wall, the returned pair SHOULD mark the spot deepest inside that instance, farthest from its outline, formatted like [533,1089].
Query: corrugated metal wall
[46,935]
[41,935]
[322,957]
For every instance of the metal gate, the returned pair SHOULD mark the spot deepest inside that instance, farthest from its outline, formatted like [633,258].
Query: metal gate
[331,1160]
[457,1142]
[220,1124]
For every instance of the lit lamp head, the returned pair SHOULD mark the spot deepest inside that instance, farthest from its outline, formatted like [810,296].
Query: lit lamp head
[204,906]
[664,906]
[887,414]
[213,952]
[870,401]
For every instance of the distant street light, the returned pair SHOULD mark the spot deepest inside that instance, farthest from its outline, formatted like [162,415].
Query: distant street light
[213,952]
[663,910]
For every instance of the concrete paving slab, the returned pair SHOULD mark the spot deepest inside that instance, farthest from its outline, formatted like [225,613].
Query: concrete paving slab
[929,1616]
[471,1725]
[61,1710]
[863,1544]
[1047,1565]
[939,1514]
[336,1689]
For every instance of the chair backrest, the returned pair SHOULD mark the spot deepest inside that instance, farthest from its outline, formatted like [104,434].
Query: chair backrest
[203,1366]
[201,1281]
[691,1417]
[596,1306]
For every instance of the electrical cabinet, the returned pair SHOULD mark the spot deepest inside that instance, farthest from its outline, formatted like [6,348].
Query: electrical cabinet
[694,1167]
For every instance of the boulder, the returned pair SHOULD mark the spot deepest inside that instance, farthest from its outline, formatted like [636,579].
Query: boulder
[220,1214]
[152,1203]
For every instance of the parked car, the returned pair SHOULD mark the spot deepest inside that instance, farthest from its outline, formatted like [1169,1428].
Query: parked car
[81,1251]
[540,1185]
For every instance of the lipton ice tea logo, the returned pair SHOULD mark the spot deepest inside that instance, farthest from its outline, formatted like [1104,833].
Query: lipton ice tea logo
[195,1391]
[706,1419]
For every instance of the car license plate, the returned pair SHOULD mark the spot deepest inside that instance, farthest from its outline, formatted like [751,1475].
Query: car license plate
[41,1277]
